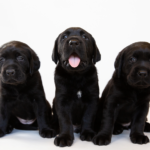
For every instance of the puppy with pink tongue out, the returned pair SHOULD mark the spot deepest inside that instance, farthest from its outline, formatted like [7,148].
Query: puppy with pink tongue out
[77,93]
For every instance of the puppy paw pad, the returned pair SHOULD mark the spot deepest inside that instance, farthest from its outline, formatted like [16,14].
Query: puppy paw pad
[63,140]
[139,139]
[47,133]
[87,136]
[101,140]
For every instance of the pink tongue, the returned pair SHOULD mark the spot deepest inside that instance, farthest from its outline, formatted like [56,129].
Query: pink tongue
[74,61]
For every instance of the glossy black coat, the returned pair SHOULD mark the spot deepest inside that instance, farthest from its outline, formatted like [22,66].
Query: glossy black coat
[69,109]
[22,95]
[125,99]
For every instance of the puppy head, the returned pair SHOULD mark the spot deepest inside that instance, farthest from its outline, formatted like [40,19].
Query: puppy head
[17,61]
[75,49]
[133,63]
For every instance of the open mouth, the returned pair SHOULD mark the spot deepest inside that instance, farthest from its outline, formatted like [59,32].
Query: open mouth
[74,61]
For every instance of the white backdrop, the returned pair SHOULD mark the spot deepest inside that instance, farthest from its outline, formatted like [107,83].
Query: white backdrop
[114,25]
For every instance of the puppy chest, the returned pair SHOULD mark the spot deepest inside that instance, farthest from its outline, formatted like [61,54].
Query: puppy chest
[76,88]
[77,111]
[77,95]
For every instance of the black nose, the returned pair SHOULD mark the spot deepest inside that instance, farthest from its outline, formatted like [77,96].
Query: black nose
[142,73]
[74,42]
[10,72]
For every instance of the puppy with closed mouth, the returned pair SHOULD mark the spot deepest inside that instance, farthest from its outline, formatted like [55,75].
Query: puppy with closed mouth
[126,97]
[76,81]
[22,99]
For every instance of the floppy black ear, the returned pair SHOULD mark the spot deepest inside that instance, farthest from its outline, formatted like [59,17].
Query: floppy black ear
[96,54]
[118,63]
[34,62]
[55,51]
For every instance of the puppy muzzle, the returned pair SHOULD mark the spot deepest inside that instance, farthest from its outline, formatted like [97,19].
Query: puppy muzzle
[12,75]
[139,77]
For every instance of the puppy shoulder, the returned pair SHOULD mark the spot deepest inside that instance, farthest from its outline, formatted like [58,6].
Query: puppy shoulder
[35,80]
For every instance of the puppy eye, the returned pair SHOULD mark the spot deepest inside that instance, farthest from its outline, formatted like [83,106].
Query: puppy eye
[2,59]
[84,37]
[64,37]
[20,58]
[133,60]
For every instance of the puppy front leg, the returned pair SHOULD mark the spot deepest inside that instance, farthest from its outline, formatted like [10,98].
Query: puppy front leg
[66,136]
[137,127]
[87,132]
[4,118]
[107,125]
[43,115]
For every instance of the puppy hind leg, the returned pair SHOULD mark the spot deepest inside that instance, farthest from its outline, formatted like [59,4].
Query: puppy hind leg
[43,115]
[9,129]
[147,127]
[55,122]
[4,119]
[109,116]
[88,120]
[137,127]
[118,129]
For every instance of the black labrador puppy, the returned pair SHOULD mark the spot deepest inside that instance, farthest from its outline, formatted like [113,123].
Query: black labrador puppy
[77,90]
[22,99]
[125,99]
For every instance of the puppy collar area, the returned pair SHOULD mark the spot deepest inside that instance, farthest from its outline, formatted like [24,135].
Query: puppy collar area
[27,122]
[79,94]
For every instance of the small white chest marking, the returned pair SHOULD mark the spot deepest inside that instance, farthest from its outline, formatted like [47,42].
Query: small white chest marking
[23,121]
[79,94]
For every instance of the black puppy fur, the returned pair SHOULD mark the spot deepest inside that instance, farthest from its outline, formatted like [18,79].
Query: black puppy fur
[21,91]
[69,108]
[118,128]
[125,99]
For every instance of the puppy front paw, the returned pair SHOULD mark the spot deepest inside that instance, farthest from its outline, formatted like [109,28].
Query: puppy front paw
[47,133]
[1,133]
[87,135]
[101,139]
[63,140]
[139,139]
